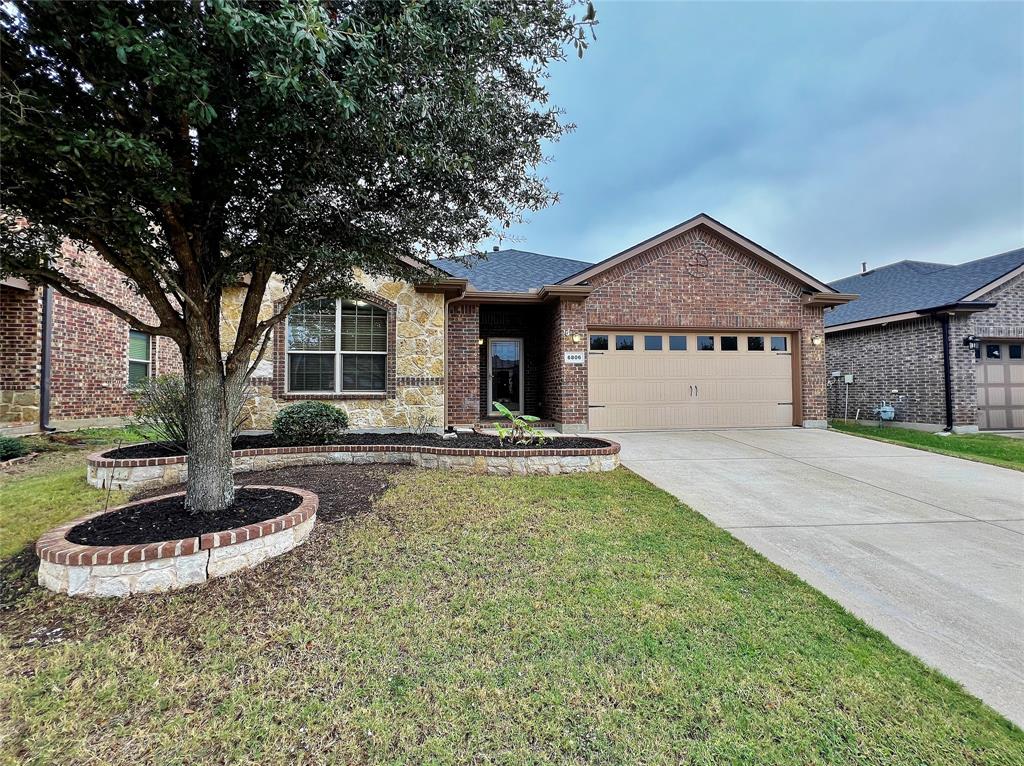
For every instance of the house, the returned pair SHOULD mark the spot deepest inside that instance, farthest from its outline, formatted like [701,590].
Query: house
[941,344]
[696,327]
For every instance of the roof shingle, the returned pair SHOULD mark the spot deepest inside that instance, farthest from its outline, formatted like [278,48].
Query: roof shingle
[916,286]
[512,270]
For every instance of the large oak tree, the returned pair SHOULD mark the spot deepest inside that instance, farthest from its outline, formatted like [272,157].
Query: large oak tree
[194,143]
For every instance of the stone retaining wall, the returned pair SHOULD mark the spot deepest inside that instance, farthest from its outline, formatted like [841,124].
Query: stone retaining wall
[149,473]
[120,570]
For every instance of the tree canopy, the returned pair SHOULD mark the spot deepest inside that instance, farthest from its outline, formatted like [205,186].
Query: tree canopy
[198,144]
[191,142]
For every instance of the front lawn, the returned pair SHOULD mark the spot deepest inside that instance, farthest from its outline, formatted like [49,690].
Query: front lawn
[983,448]
[570,619]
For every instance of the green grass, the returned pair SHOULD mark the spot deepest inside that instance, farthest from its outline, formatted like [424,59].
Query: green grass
[51,488]
[584,619]
[983,448]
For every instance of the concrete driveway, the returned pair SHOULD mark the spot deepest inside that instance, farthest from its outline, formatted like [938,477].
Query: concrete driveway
[927,549]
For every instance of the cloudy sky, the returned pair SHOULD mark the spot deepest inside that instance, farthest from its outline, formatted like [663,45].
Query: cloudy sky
[829,133]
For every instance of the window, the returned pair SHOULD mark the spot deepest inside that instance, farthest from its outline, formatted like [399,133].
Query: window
[652,343]
[598,342]
[140,357]
[623,342]
[992,351]
[779,343]
[337,346]
[1015,349]
[755,343]
[730,343]
[705,342]
[677,343]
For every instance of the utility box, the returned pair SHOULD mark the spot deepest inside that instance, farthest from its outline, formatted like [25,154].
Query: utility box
[848,378]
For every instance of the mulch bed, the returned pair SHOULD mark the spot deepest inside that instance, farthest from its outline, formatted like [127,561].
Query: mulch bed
[464,441]
[168,519]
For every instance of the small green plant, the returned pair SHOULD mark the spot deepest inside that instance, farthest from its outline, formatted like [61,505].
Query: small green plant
[11,447]
[160,410]
[518,429]
[309,423]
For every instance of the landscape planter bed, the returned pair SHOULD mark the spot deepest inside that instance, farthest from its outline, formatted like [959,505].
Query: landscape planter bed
[119,570]
[550,459]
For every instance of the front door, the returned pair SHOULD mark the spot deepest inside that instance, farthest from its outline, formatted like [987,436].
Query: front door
[505,373]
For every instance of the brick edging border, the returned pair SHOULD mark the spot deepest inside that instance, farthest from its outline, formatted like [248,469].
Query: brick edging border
[98,459]
[55,548]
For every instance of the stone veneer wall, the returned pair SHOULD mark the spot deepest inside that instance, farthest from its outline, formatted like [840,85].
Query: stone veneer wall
[416,374]
[698,280]
[151,473]
[120,570]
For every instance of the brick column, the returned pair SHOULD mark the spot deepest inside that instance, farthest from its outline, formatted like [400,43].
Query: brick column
[463,373]
[813,381]
[565,385]
[961,375]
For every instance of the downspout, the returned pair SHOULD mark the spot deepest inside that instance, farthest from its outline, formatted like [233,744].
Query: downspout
[946,375]
[44,366]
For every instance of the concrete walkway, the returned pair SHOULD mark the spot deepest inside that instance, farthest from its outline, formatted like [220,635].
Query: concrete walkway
[927,549]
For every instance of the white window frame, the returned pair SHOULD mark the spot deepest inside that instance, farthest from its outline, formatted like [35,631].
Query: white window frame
[338,356]
[128,354]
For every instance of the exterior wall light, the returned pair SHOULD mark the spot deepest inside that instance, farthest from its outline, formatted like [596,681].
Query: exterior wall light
[817,340]
[973,342]
[576,337]
[480,341]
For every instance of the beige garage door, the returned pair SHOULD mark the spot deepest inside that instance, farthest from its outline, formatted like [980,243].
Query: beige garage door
[643,381]
[1000,379]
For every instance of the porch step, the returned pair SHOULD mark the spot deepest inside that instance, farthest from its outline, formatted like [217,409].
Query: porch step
[490,422]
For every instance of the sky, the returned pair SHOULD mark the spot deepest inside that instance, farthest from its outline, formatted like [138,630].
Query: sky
[829,133]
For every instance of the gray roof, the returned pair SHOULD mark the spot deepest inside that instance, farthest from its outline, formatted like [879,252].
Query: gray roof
[512,270]
[916,286]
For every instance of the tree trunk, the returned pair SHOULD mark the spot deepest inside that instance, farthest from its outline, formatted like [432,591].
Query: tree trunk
[208,417]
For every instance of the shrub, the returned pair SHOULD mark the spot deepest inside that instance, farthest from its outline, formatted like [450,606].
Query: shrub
[160,410]
[11,448]
[309,423]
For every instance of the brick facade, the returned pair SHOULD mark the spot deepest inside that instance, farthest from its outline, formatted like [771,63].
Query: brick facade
[528,323]
[89,348]
[463,354]
[89,356]
[697,280]
[907,356]
[565,385]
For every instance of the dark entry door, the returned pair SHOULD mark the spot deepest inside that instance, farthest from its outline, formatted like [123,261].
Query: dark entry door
[505,373]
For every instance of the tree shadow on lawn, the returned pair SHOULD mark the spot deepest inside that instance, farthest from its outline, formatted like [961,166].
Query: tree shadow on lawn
[32,616]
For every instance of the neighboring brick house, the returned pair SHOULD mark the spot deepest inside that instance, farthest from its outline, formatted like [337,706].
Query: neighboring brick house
[942,344]
[92,354]
[696,327]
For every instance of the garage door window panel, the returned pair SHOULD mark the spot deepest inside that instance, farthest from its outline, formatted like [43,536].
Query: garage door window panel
[677,343]
[779,343]
[652,343]
[598,342]
[623,342]
[705,342]
[730,343]
[755,343]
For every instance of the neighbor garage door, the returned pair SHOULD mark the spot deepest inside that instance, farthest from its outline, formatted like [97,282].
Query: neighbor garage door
[1000,379]
[644,381]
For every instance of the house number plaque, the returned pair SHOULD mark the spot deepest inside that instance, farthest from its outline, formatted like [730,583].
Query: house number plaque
[575,357]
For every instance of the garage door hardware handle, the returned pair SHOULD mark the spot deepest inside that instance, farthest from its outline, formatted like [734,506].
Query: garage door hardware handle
[782,403]
[596,406]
